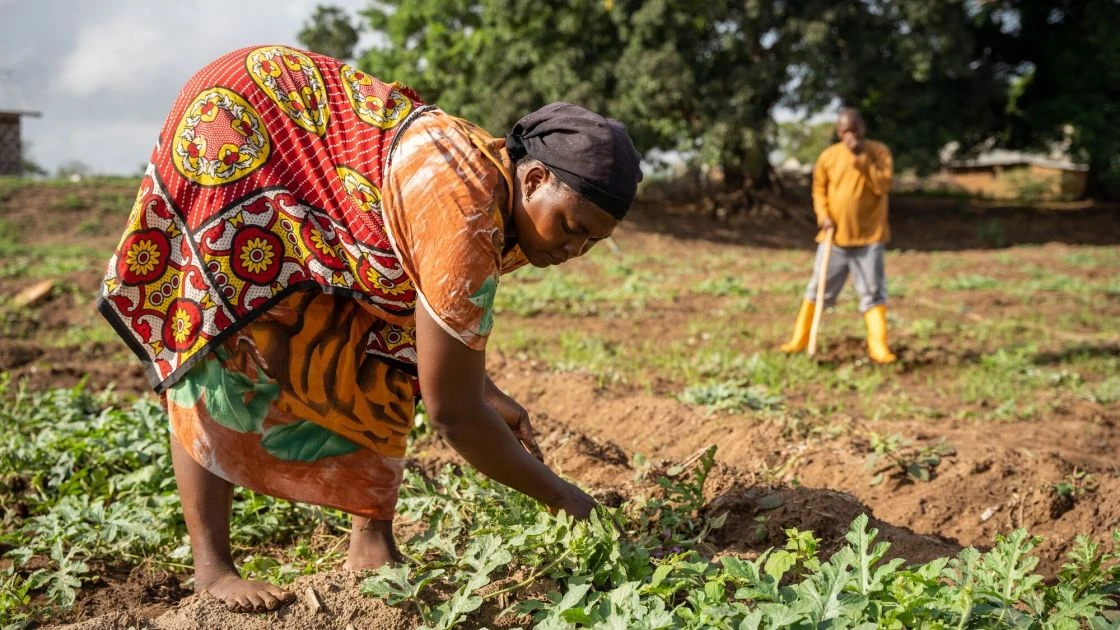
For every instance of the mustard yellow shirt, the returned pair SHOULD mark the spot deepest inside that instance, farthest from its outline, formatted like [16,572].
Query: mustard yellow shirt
[854,191]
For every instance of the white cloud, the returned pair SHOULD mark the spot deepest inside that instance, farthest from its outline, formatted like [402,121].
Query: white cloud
[124,53]
[104,73]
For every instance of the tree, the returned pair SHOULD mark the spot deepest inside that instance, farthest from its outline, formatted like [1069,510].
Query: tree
[31,167]
[697,76]
[330,32]
[804,141]
[703,77]
[75,169]
[493,61]
[1066,54]
[919,71]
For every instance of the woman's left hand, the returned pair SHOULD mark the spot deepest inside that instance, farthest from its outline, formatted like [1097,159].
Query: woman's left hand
[516,417]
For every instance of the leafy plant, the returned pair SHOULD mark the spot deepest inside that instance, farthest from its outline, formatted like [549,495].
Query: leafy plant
[605,572]
[730,396]
[895,456]
[85,481]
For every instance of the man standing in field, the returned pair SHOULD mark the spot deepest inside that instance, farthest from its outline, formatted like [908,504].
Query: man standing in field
[851,187]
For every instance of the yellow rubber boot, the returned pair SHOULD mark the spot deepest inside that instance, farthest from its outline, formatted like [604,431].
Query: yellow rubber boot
[800,337]
[877,349]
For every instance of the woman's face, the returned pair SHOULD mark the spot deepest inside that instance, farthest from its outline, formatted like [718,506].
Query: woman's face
[554,223]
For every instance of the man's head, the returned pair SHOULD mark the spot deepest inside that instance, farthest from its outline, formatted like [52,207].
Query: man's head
[851,129]
[576,174]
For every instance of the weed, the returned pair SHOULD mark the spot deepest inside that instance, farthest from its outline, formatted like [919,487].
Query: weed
[969,282]
[114,203]
[731,396]
[723,286]
[1075,484]
[10,185]
[94,483]
[1107,392]
[91,227]
[71,201]
[902,458]
[923,329]
[596,578]
[1002,378]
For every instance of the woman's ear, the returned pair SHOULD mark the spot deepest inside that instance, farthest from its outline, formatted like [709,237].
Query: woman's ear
[534,175]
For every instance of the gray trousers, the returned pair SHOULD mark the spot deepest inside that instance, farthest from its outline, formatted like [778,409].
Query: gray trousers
[866,266]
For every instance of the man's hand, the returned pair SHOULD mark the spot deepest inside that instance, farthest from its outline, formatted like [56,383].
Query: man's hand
[854,143]
[861,161]
[826,224]
[516,417]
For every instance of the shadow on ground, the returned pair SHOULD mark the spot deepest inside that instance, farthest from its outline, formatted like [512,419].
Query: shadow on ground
[917,223]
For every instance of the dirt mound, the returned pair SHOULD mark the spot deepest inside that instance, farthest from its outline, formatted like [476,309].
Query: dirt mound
[325,601]
[1055,479]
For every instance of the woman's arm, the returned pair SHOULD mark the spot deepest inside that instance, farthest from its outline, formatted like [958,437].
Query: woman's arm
[453,379]
[515,416]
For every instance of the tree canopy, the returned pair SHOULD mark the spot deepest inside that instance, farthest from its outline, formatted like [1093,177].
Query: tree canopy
[705,77]
[329,31]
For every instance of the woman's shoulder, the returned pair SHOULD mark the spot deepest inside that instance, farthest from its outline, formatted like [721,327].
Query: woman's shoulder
[435,134]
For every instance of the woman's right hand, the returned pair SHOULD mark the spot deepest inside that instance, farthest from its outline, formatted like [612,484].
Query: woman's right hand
[574,501]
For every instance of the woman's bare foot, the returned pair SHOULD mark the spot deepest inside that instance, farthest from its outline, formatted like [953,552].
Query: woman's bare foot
[241,595]
[371,545]
[206,502]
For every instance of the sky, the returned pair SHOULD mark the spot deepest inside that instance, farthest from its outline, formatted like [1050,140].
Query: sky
[104,73]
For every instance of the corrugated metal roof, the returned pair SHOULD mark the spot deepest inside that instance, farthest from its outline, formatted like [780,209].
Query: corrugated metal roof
[1003,157]
[13,99]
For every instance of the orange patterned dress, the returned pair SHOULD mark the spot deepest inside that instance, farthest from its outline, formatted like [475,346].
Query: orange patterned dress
[295,212]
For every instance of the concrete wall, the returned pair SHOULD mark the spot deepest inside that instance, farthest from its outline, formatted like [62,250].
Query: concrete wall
[1019,181]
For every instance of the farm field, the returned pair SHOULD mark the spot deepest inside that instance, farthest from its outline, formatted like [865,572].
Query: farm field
[1000,415]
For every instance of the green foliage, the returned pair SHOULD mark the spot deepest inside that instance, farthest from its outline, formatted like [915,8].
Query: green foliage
[493,61]
[610,571]
[722,286]
[85,481]
[10,184]
[330,32]
[731,396]
[1107,391]
[804,142]
[969,282]
[704,77]
[902,458]
[700,77]
[71,201]
[1001,378]
[1067,84]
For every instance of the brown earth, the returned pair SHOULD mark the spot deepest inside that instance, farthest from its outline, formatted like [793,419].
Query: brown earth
[772,472]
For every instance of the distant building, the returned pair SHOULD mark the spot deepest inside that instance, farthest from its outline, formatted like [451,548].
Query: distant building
[1002,174]
[13,107]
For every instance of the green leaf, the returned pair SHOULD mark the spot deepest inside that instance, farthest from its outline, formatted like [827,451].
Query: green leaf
[305,441]
[778,563]
[483,298]
[224,393]
[659,574]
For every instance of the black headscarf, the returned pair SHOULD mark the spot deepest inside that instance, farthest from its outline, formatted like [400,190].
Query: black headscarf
[590,153]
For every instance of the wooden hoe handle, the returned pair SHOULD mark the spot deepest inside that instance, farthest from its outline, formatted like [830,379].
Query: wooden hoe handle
[822,276]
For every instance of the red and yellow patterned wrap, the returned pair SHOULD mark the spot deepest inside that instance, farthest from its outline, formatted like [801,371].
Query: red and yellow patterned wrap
[266,180]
